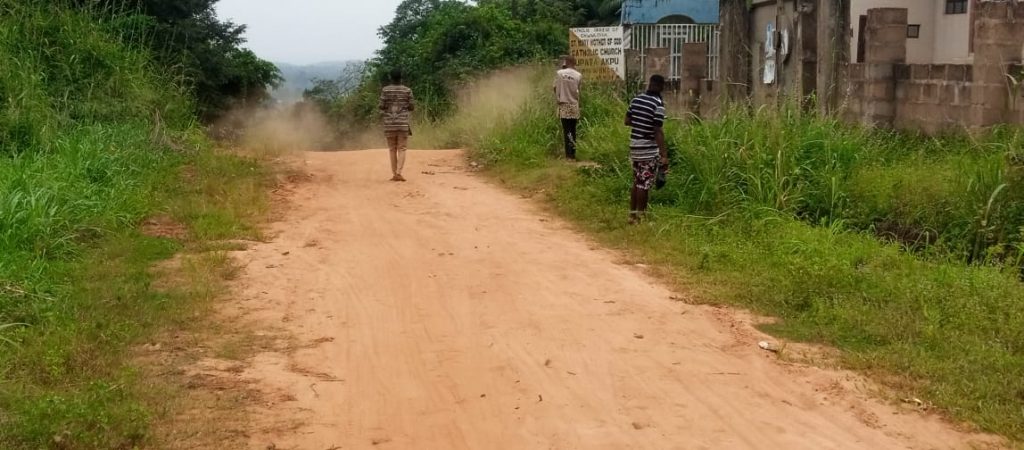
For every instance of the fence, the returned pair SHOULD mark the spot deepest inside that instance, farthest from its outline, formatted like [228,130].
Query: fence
[672,37]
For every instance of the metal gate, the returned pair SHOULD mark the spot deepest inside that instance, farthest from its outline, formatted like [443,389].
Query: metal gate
[672,37]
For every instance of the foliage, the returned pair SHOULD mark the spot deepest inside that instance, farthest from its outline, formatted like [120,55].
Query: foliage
[191,41]
[92,141]
[782,213]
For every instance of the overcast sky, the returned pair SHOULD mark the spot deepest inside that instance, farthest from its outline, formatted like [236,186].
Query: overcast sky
[310,31]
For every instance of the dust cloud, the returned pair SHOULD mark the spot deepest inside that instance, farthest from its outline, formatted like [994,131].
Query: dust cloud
[483,105]
[276,131]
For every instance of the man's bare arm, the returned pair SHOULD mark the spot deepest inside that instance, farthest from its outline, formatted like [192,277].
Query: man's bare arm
[659,137]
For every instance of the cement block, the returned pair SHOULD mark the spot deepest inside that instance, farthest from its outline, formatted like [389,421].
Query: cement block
[954,94]
[989,73]
[881,90]
[930,94]
[919,71]
[981,116]
[878,71]
[879,16]
[903,92]
[856,72]
[957,72]
[886,53]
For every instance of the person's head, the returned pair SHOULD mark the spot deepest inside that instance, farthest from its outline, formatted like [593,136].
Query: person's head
[395,76]
[656,85]
[570,62]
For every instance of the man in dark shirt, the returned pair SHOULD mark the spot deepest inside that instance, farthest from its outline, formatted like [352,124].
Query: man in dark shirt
[647,150]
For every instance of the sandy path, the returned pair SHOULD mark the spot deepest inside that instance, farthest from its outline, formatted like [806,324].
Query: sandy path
[445,313]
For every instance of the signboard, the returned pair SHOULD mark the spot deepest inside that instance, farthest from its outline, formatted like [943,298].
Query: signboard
[599,53]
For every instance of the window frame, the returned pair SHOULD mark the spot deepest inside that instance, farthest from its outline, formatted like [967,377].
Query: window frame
[914,31]
[956,7]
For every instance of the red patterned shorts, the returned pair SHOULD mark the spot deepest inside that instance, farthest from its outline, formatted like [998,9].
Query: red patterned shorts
[644,174]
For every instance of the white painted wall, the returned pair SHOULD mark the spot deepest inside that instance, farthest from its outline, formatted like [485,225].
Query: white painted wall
[945,39]
[952,35]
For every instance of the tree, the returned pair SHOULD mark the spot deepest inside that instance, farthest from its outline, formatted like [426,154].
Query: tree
[188,38]
[600,12]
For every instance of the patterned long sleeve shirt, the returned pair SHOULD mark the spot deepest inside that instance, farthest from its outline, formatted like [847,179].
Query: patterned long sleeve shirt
[397,104]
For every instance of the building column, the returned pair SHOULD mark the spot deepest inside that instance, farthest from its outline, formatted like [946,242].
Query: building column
[693,71]
[734,52]
[886,38]
[833,52]
[998,46]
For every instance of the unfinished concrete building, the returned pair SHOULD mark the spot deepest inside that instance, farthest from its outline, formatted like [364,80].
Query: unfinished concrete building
[928,65]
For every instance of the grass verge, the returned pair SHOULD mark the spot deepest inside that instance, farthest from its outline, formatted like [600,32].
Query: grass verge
[68,380]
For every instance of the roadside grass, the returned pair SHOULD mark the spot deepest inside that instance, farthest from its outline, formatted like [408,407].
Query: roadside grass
[68,380]
[93,146]
[897,250]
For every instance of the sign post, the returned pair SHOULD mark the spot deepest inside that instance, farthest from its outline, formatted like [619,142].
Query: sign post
[599,53]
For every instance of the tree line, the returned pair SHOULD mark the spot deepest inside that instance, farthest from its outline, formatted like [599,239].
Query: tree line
[438,43]
[188,40]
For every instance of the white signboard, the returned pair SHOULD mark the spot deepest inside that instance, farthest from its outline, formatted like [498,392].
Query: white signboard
[599,52]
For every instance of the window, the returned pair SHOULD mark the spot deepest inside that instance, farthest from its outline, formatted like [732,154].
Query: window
[956,6]
[913,31]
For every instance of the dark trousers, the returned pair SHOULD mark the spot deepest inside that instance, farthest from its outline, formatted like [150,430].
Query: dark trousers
[569,133]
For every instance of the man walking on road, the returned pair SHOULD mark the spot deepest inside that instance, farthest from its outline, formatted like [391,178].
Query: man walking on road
[397,104]
[567,92]
[647,149]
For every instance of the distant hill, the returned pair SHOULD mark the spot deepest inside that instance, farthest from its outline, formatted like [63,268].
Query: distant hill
[298,78]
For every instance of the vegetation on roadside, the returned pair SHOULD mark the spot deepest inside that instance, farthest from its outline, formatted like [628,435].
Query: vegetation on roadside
[92,143]
[441,45]
[203,53]
[901,251]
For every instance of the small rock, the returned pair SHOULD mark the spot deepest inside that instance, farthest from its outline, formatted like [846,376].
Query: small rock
[638,336]
[768,346]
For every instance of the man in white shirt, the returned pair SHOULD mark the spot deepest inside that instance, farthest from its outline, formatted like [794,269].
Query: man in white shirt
[567,92]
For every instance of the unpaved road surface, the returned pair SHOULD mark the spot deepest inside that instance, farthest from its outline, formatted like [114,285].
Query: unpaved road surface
[446,313]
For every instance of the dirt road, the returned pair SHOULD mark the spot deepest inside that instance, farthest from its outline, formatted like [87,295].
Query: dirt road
[446,313]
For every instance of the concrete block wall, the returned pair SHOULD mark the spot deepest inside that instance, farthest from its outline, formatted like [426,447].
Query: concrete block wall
[933,98]
[998,46]
[937,98]
[872,93]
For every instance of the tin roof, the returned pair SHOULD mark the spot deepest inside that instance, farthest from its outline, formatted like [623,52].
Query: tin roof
[653,11]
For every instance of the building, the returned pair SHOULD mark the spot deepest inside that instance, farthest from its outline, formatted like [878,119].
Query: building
[933,66]
[663,28]
[938,31]
[669,12]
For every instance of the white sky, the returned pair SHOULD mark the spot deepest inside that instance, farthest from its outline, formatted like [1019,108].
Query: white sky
[310,31]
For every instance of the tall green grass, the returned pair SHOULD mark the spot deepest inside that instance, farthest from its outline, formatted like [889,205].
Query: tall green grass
[92,141]
[902,251]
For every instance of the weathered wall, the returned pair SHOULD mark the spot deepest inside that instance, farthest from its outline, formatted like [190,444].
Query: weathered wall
[887,90]
[920,12]
[937,98]
[873,100]
[788,76]
[734,51]
[833,52]
[933,98]
[998,45]
[953,31]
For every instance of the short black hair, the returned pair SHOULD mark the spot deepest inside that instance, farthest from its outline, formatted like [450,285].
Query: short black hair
[395,75]
[657,80]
